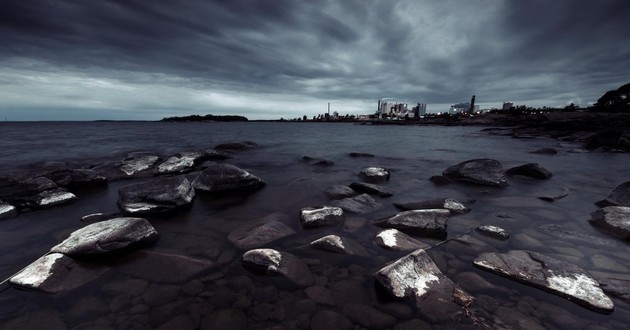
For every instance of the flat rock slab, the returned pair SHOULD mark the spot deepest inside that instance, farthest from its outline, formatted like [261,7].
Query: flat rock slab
[395,240]
[485,172]
[340,245]
[530,170]
[107,237]
[273,262]
[494,232]
[363,203]
[261,232]
[374,174]
[321,216]
[55,273]
[454,206]
[339,192]
[431,222]
[558,277]
[156,196]
[618,197]
[164,267]
[615,219]
[7,210]
[219,178]
[371,189]
[135,164]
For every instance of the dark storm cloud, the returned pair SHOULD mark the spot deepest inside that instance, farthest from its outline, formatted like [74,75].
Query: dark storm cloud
[309,51]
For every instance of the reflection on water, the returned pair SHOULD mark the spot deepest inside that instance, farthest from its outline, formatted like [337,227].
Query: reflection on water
[344,292]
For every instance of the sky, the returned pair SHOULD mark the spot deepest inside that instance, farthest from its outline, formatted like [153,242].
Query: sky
[267,59]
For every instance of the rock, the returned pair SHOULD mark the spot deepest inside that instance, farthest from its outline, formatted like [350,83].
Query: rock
[328,319]
[7,210]
[318,161]
[55,197]
[261,232]
[370,189]
[55,273]
[440,180]
[618,197]
[138,163]
[279,263]
[374,174]
[77,178]
[494,232]
[393,239]
[156,295]
[368,316]
[339,192]
[321,216]
[363,203]
[545,151]
[39,184]
[570,234]
[320,295]
[608,138]
[42,319]
[454,206]
[221,178]
[613,218]
[336,244]
[186,161]
[530,170]
[360,154]
[132,287]
[414,324]
[553,196]
[156,196]
[430,222]
[237,146]
[107,236]
[617,285]
[99,216]
[558,277]
[164,267]
[225,319]
[181,322]
[485,172]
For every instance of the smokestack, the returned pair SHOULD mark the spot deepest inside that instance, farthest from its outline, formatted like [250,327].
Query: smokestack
[329,108]
[472,104]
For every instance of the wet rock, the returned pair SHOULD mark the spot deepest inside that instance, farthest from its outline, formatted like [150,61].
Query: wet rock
[164,267]
[138,163]
[328,319]
[320,295]
[227,319]
[430,222]
[414,324]
[39,184]
[363,203]
[156,196]
[339,192]
[494,232]
[360,154]
[279,263]
[530,170]
[615,219]
[55,197]
[156,295]
[474,282]
[341,245]
[558,277]
[552,196]
[607,263]
[485,172]
[368,316]
[99,216]
[616,285]
[349,291]
[371,189]
[237,146]
[107,236]
[393,239]
[454,206]
[220,178]
[374,174]
[188,160]
[181,322]
[261,232]
[77,178]
[510,318]
[545,151]
[440,180]
[132,287]
[570,234]
[618,197]
[7,210]
[55,273]
[47,319]
[318,161]
[321,216]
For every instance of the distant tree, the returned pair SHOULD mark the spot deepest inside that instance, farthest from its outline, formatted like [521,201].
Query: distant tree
[304,118]
[614,101]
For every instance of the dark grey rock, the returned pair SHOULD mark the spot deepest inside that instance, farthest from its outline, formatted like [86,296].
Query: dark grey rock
[552,196]
[360,154]
[107,236]
[530,170]
[613,218]
[340,245]
[42,319]
[156,295]
[431,222]
[7,210]
[39,184]
[181,322]
[545,151]
[454,206]
[135,164]
[339,192]
[237,146]
[485,172]
[374,174]
[261,232]
[616,285]
[279,263]
[363,203]
[156,196]
[220,178]
[393,239]
[368,316]
[225,319]
[318,161]
[558,277]
[440,180]
[371,189]
[328,319]
[132,287]
[494,232]
[618,197]
[77,178]
[321,216]
[320,295]
[163,267]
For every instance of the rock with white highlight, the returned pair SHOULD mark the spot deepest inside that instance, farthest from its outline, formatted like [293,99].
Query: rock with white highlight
[454,206]
[340,245]
[494,232]
[7,210]
[618,197]
[107,236]
[220,178]
[272,262]
[485,172]
[431,222]
[156,196]
[135,164]
[261,232]
[186,161]
[371,189]
[395,240]
[374,174]
[363,203]
[615,219]
[55,197]
[558,277]
[321,216]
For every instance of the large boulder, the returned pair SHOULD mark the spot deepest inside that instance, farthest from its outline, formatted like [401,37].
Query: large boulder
[371,189]
[530,170]
[77,178]
[618,197]
[7,210]
[261,232]
[454,206]
[135,164]
[558,277]
[156,196]
[321,216]
[273,262]
[374,174]
[220,178]
[615,219]
[431,222]
[107,236]
[395,240]
[340,245]
[485,172]
[363,203]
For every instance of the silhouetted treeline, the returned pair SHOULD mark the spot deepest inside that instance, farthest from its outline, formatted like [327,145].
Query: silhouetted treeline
[205,118]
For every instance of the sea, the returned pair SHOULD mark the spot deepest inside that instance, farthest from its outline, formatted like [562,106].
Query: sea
[344,293]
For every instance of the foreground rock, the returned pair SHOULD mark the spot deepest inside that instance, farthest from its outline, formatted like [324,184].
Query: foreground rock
[558,277]
[107,236]
[618,197]
[339,192]
[219,178]
[321,216]
[186,161]
[363,203]
[530,170]
[337,244]
[156,196]
[273,262]
[261,232]
[33,193]
[374,174]
[7,210]
[371,189]
[395,240]
[138,163]
[55,273]
[164,267]
[430,222]
[494,232]
[615,219]
[454,206]
[485,172]
[77,178]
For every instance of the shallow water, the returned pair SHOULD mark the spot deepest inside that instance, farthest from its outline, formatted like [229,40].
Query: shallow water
[413,153]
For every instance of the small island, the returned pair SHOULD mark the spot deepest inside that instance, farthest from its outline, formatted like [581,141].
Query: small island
[206,118]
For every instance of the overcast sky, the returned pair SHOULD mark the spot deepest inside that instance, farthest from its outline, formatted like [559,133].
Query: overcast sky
[84,60]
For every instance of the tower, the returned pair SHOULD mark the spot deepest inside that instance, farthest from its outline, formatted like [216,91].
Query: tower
[472,105]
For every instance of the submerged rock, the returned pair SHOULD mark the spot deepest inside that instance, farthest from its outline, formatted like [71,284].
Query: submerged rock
[279,263]
[107,236]
[374,174]
[454,206]
[321,216]
[55,197]
[261,232]
[372,189]
[553,196]
[568,233]
[545,151]
[431,222]
[613,218]
[558,277]
[395,240]
[440,180]
[618,197]
[77,178]
[493,231]
[337,244]
[138,163]
[486,172]
[156,196]
[218,178]
[530,170]
[339,192]
[363,203]
[360,154]
[236,146]
[7,210]
[164,267]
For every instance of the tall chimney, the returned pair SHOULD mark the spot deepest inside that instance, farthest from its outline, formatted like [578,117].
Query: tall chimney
[472,104]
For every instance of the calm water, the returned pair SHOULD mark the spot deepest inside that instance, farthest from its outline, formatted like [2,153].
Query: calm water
[413,153]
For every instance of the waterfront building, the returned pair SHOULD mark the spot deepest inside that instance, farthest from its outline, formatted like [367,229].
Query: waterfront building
[507,105]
